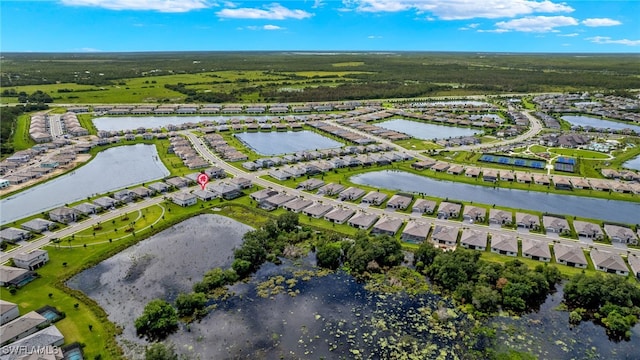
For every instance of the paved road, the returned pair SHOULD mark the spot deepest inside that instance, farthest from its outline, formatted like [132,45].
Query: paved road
[55,125]
[208,155]
[80,226]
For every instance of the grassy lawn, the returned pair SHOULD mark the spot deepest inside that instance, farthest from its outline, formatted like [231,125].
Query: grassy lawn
[581,153]
[75,327]
[567,271]
[118,229]
[21,138]
[417,144]
[86,121]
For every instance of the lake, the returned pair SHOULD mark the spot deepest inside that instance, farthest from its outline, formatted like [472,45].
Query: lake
[161,266]
[278,143]
[112,169]
[611,210]
[598,123]
[118,123]
[313,314]
[633,163]
[424,131]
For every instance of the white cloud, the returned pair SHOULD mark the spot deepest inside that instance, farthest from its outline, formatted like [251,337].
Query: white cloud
[89,49]
[272,27]
[569,35]
[169,6]
[271,12]
[374,37]
[469,27]
[538,24]
[265,27]
[608,40]
[461,9]
[597,22]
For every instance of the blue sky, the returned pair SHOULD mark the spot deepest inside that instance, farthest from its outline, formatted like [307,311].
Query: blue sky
[320,25]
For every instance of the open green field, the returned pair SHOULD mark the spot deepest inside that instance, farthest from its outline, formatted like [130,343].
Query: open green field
[21,139]
[418,144]
[141,77]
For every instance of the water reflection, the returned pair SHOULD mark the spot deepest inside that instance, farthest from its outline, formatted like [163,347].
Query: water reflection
[612,210]
[112,169]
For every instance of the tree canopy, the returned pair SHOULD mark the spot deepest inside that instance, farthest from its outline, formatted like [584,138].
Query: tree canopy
[158,320]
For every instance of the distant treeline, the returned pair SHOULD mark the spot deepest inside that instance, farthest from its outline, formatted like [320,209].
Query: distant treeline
[493,72]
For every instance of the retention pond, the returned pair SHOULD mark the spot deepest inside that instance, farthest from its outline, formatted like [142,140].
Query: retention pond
[611,210]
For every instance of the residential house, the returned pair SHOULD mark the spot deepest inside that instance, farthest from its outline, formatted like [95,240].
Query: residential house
[634,263]
[317,210]
[387,226]
[86,209]
[10,275]
[423,164]
[399,202]
[609,262]
[374,198]
[123,196]
[224,190]
[536,250]
[507,176]
[448,210]
[440,166]
[424,206]
[330,189]
[279,174]
[215,173]
[474,239]
[339,215]
[31,260]
[241,182]
[415,232]
[445,236]
[263,194]
[184,199]
[47,340]
[500,217]
[105,202]
[455,170]
[524,178]
[21,327]
[527,221]
[561,183]
[490,175]
[276,201]
[14,235]
[588,230]
[178,182]
[297,205]
[351,193]
[159,187]
[362,220]
[63,215]
[504,244]
[310,184]
[141,192]
[620,234]
[541,179]
[580,183]
[8,311]
[204,195]
[472,172]
[556,225]
[570,255]
[38,225]
[474,214]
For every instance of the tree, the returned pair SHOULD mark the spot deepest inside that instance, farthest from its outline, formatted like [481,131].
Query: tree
[158,320]
[187,304]
[426,253]
[288,221]
[328,255]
